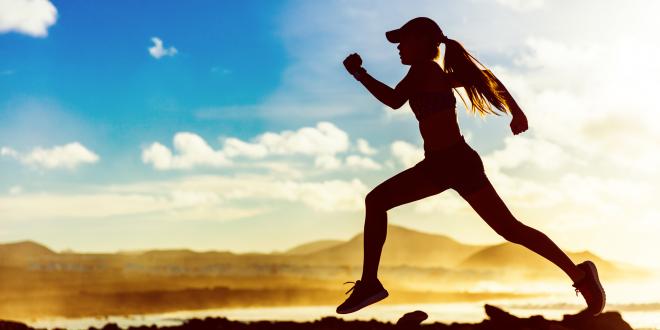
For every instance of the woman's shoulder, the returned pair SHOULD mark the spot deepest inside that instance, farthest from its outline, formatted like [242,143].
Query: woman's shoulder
[424,68]
[430,77]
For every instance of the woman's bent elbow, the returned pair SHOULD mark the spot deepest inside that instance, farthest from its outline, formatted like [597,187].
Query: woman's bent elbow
[396,105]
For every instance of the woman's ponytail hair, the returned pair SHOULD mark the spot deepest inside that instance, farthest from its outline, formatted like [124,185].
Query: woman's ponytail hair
[482,87]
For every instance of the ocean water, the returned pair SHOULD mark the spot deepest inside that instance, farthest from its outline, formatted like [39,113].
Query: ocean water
[638,303]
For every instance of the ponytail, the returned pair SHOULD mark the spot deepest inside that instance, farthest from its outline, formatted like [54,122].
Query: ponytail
[482,87]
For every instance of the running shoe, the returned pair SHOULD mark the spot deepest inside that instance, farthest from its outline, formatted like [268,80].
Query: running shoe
[591,289]
[364,294]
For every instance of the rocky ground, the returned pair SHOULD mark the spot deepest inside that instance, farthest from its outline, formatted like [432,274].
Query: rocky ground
[497,320]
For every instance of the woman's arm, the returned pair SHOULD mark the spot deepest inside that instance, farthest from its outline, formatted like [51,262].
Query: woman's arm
[519,121]
[394,98]
[510,102]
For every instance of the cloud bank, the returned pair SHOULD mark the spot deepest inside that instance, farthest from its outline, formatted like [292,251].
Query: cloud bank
[68,156]
[322,143]
[29,17]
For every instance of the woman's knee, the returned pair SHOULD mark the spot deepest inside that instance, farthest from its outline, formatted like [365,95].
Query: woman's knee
[514,231]
[375,201]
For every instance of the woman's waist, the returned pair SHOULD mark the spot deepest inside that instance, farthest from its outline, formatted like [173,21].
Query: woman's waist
[425,112]
[439,128]
[436,146]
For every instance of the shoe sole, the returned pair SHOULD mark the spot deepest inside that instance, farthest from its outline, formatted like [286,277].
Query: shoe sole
[371,300]
[594,273]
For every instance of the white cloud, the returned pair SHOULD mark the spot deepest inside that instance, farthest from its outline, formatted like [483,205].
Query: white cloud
[584,109]
[68,156]
[403,113]
[157,50]
[31,17]
[192,151]
[329,196]
[327,162]
[364,147]
[406,153]
[324,139]
[356,161]
[173,206]
[234,147]
[520,150]
[208,197]
[322,142]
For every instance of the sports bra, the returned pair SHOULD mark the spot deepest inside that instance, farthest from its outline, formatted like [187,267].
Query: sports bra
[428,102]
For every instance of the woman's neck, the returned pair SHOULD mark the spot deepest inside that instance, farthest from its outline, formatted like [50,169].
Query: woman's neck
[423,63]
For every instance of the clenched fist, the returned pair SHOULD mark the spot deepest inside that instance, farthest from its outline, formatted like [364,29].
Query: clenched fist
[518,123]
[353,63]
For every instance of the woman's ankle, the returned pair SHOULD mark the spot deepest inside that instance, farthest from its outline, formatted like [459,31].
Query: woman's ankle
[369,278]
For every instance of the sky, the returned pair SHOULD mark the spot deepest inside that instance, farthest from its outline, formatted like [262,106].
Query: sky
[217,125]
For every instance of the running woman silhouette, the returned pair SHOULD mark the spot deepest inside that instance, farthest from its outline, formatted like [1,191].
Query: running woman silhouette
[449,162]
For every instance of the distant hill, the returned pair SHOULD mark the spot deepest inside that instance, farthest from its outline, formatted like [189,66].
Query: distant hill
[403,247]
[312,247]
[515,257]
[19,252]
[24,248]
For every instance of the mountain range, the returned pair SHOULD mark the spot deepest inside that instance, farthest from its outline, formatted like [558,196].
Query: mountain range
[404,248]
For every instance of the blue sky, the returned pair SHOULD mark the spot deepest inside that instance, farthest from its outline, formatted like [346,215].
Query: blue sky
[250,136]
[95,67]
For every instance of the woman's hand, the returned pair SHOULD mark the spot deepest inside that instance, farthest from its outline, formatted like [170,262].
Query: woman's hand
[353,63]
[518,122]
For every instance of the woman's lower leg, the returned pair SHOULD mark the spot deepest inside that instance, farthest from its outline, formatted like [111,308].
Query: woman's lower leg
[490,207]
[544,246]
[375,232]
[410,185]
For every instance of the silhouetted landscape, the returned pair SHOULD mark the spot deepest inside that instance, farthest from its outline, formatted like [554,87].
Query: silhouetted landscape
[38,282]
[497,319]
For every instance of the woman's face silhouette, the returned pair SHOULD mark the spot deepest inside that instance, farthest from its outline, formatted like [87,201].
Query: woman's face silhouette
[412,50]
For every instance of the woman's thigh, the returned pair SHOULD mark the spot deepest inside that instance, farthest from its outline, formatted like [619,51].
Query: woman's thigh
[408,186]
[492,209]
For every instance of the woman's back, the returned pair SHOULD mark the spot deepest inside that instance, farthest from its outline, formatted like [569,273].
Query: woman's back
[434,105]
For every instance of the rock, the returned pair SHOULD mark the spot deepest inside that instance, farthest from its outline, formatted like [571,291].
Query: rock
[499,316]
[11,325]
[499,319]
[111,326]
[604,321]
[411,320]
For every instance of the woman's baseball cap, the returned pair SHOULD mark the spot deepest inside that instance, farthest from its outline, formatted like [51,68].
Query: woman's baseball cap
[419,26]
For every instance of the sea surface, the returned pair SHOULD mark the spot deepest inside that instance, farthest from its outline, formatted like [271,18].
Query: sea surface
[638,303]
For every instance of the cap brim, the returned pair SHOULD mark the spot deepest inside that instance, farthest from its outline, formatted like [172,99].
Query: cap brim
[393,36]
